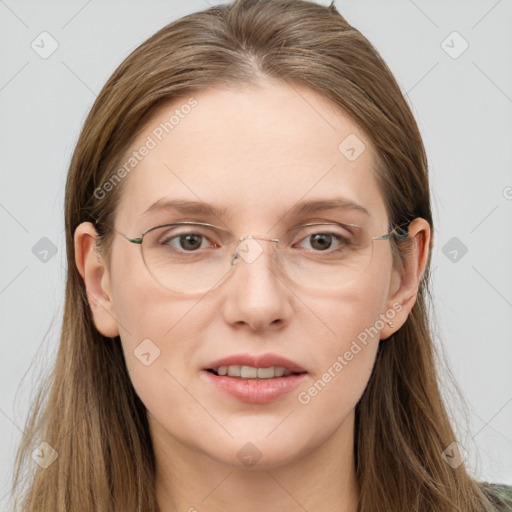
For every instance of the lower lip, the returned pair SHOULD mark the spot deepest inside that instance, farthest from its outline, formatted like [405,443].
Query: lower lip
[255,391]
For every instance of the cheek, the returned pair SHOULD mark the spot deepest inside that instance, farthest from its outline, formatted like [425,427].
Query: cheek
[347,354]
[141,307]
[354,312]
[345,357]
[159,330]
[153,322]
[163,335]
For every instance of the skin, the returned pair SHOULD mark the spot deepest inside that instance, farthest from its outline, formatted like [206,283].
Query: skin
[256,150]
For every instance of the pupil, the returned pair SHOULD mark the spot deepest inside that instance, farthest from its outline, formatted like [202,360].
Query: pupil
[321,238]
[190,238]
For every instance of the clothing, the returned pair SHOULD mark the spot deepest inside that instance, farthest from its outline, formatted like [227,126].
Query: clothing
[500,495]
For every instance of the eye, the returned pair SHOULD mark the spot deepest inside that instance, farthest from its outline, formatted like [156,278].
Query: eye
[186,241]
[337,239]
[324,241]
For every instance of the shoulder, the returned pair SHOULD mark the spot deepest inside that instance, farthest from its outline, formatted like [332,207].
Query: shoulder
[499,494]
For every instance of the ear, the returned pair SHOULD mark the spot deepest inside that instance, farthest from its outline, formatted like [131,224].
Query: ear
[94,272]
[405,283]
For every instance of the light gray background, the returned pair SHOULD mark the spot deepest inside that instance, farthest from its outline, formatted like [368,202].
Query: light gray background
[464,109]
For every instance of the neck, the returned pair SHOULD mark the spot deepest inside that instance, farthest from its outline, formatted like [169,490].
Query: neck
[322,480]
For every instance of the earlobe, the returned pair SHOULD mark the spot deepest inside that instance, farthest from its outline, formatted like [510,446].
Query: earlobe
[404,289]
[95,274]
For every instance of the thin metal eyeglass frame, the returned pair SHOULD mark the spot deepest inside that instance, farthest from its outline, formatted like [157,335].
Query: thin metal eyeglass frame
[395,231]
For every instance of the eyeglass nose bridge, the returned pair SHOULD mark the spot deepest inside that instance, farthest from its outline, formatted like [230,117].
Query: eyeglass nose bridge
[236,255]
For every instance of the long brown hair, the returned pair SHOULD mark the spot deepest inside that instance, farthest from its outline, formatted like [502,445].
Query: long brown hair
[88,411]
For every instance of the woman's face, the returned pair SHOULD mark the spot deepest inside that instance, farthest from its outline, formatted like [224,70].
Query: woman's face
[255,152]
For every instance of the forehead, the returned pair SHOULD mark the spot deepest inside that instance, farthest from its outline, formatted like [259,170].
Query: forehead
[256,151]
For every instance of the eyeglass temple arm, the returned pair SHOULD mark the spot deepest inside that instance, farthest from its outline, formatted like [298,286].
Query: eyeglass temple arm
[398,232]
[137,240]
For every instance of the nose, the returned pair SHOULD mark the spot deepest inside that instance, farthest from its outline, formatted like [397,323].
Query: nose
[256,294]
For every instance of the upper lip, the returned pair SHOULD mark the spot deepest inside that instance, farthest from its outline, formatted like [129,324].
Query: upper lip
[257,361]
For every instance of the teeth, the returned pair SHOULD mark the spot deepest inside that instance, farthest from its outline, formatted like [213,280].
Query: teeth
[278,371]
[249,372]
[234,371]
[265,373]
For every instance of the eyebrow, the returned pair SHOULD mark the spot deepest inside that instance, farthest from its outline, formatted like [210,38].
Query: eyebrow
[300,208]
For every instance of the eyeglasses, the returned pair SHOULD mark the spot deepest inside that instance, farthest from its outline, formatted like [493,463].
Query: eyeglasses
[194,257]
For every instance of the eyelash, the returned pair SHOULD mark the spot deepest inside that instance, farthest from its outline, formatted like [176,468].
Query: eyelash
[345,241]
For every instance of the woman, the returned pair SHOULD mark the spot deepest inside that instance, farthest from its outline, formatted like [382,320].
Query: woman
[249,231]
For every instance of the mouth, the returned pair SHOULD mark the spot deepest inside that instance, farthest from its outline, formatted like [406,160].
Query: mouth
[255,379]
[247,366]
[251,372]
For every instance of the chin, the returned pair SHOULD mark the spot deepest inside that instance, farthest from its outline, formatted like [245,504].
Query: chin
[257,450]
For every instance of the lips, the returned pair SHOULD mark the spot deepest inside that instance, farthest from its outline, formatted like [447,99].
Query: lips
[247,378]
[260,361]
